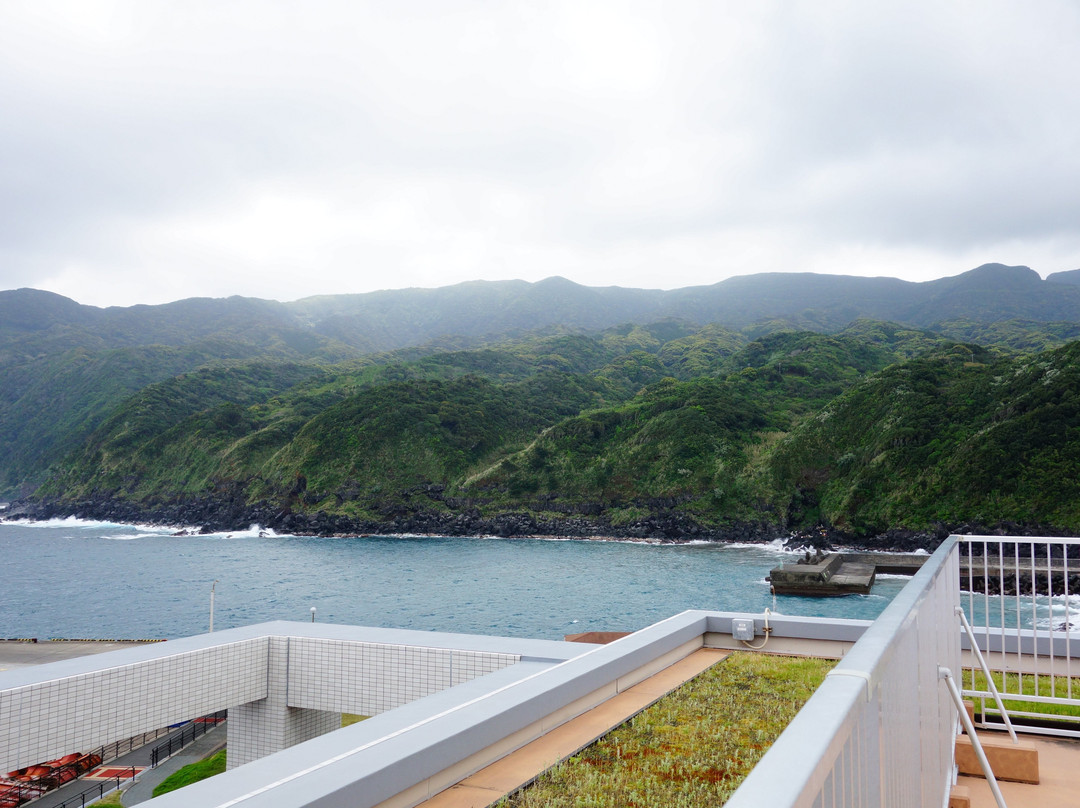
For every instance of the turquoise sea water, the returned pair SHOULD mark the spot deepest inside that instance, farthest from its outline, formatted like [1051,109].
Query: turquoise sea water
[77,579]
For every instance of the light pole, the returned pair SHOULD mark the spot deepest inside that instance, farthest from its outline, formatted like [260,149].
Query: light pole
[312,614]
[212,587]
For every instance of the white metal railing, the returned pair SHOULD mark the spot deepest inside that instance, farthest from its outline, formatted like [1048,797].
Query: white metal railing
[881,729]
[1021,596]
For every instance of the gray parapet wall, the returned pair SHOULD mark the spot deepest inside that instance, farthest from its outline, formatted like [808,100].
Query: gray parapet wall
[445,705]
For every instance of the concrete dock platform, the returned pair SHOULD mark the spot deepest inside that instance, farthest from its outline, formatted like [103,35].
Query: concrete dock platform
[830,576]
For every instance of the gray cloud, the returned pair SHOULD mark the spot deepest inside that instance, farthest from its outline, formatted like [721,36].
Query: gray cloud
[161,150]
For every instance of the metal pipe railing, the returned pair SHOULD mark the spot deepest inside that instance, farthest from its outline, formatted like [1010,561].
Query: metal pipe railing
[98,791]
[986,672]
[946,676]
[197,729]
[1019,603]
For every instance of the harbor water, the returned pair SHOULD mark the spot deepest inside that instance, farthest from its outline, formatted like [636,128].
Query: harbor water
[78,579]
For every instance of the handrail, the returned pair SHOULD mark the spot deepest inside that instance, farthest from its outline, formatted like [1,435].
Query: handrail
[946,676]
[111,751]
[1021,539]
[986,672]
[26,792]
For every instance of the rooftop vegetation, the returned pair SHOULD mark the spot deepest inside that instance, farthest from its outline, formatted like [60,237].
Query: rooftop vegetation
[693,747]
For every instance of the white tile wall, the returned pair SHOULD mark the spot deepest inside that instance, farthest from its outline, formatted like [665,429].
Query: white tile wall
[370,678]
[82,712]
[279,691]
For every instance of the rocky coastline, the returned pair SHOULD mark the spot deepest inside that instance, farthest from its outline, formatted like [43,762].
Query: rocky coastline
[223,514]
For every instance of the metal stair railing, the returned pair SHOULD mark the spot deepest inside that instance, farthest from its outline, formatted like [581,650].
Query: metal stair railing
[986,672]
[197,729]
[946,676]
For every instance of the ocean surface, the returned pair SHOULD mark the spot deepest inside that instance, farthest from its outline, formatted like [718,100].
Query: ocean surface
[76,579]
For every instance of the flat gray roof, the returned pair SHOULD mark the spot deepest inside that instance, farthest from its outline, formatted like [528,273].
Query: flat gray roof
[62,662]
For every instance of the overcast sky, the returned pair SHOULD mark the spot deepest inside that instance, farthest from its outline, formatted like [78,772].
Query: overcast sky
[151,151]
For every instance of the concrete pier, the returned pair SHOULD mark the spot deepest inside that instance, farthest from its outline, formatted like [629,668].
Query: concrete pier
[830,576]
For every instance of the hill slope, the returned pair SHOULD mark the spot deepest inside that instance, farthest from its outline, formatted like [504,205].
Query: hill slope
[791,431]
[697,410]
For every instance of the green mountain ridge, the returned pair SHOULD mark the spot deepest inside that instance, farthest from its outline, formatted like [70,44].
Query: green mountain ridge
[785,416]
[792,430]
[382,321]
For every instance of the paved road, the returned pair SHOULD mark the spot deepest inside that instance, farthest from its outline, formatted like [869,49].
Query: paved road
[143,787]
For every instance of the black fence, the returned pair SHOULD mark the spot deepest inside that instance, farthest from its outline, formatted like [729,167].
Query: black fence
[196,729]
[114,750]
[97,791]
[12,794]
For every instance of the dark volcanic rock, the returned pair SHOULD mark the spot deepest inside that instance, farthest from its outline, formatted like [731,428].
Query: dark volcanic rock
[226,510]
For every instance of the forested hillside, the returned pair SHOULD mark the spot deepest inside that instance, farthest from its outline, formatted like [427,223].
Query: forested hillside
[668,428]
[963,435]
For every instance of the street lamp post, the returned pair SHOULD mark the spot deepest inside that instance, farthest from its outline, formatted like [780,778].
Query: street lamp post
[212,587]
[312,614]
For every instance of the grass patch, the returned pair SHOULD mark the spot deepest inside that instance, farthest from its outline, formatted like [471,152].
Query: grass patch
[1013,683]
[348,719]
[112,798]
[693,747]
[192,773]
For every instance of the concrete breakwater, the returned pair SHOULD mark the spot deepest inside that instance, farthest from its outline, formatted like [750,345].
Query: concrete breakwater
[853,573]
[837,574]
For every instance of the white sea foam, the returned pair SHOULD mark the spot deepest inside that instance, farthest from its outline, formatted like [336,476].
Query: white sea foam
[133,536]
[144,531]
[253,532]
[775,546]
[69,521]
[92,524]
